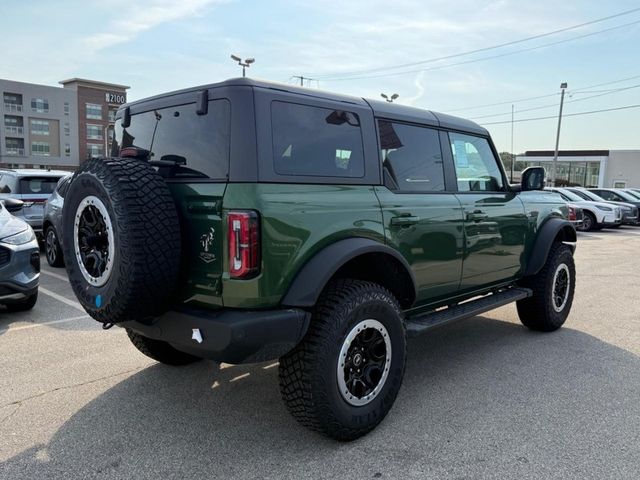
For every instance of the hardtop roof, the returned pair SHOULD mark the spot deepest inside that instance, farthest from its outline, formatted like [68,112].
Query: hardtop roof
[380,109]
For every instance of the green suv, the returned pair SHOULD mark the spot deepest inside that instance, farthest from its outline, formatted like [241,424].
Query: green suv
[248,221]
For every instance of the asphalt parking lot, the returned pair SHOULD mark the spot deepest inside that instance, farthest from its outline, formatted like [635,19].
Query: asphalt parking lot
[483,398]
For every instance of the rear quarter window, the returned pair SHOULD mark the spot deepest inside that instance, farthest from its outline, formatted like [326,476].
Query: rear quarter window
[194,146]
[316,142]
[8,184]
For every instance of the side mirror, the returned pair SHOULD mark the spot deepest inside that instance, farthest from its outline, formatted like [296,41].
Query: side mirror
[12,204]
[533,178]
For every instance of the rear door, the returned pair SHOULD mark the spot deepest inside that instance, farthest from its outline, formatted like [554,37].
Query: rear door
[422,220]
[495,223]
[191,151]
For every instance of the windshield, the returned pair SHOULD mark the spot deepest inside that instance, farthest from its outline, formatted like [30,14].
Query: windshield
[633,194]
[626,195]
[570,195]
[587,195]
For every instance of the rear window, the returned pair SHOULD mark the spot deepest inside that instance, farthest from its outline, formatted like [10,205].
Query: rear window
[38,185]
[191,145]
[316,142]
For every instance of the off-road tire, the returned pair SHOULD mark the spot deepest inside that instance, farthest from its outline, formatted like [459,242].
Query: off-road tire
[53,251]
[308,377]
[160,351]
[537,312]
[24,305]
[146,233]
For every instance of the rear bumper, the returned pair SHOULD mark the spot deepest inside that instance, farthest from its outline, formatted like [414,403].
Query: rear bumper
[230,336]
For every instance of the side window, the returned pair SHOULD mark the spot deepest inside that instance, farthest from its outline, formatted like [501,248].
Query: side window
[317,142]
[411,157]
[7,184]
[476,167]
[193,146]
[604,194]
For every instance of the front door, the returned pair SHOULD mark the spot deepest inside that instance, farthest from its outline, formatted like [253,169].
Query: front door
[422,221]
[494,217]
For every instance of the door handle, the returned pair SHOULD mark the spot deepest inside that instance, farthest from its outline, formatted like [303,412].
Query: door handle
[477,216]
[404,220]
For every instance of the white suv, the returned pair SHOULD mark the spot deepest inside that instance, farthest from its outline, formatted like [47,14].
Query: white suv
[597,215]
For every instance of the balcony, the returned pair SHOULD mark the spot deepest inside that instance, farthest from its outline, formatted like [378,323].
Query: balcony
[14,151]
[13,107]
[13,130]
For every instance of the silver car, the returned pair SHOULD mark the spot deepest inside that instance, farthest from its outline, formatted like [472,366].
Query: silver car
[52,224]
[19,259]
[33,187]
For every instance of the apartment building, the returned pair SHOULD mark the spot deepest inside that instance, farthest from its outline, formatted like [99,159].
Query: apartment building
[39,126]
[54,127]
[97,106]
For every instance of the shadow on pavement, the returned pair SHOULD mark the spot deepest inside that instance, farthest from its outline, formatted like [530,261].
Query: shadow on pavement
[480,398]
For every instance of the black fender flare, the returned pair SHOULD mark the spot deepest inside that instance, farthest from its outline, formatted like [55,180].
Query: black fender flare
[547,234]
[311,279]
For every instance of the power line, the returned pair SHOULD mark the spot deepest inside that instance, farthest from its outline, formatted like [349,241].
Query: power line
[470,52]
[625,107]
[506,102]
[607,92]
[491,57]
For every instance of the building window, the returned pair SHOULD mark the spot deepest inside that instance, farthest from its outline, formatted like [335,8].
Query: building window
[94,132]
[94,111]
[12,102]
[67,149]
[40,148]
[67,129]
[66,108]
[40,105]
[94,150]
[14,146]
[39,127]
[112,115]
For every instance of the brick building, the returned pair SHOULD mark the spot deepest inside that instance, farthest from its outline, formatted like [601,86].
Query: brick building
[97,106]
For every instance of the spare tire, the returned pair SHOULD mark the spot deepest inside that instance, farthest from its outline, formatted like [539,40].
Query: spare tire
[121,240]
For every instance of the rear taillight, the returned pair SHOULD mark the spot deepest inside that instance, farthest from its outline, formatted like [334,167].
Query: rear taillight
[243,235]
[572,214]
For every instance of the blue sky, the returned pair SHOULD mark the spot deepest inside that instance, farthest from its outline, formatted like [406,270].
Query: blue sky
[161,45]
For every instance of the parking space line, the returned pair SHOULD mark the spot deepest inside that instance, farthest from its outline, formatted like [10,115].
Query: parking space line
[62,299]
[44,324]
[55,275]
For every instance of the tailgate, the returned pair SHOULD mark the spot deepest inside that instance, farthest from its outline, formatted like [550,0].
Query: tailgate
[199,206]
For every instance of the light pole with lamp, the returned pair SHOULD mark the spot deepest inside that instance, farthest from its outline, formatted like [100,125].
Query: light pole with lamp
[246,64]
[391,98]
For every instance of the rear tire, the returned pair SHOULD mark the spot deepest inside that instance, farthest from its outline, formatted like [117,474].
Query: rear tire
[23,306]
[160,351]
[553,288]
[52,249]
[334,382]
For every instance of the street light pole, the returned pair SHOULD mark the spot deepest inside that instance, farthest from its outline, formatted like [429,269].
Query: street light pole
[554,168]
[513,155]
[391,98]
[246,64]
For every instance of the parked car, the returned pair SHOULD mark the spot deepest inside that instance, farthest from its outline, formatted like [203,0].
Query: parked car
[616,195]
[259,222]
[52,224]
[630,211]
[19,259]
[597,215]
[33,187]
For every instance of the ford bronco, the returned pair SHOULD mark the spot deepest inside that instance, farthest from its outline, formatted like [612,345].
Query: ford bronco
[248,221]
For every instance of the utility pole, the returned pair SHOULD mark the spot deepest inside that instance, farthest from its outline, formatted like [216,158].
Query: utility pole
[513,155]
[391,98]
[302,79]
[554,169]
[246,64]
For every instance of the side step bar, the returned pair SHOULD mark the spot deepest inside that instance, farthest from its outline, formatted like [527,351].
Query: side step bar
[420,324]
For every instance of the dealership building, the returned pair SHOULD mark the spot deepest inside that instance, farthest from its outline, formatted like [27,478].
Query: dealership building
[587,168]
[56,127]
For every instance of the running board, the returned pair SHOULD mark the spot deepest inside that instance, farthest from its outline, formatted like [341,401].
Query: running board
[423,323]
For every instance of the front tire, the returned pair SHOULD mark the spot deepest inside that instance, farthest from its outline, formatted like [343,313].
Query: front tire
[344,376]
[160,351]
[52,249]
[589,222]
[24,305]
[553,288]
